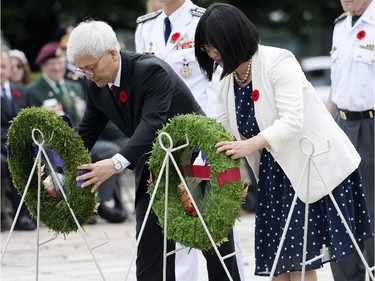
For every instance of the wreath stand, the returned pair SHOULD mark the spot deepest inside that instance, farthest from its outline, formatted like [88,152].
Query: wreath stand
[38,160]
[168,150]
[325,254]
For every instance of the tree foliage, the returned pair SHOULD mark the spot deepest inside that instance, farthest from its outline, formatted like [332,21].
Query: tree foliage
[28,24]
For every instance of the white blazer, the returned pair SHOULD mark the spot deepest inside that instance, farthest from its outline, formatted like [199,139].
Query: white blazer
[288,110]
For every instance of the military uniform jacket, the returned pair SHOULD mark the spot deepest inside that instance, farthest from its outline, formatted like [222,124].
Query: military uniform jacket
[179,53]
[353,62]
[71,100]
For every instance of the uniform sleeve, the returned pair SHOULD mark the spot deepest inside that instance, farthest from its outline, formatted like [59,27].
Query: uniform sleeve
[138,39]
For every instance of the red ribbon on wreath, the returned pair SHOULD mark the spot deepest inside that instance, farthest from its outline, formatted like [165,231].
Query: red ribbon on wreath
[196,171]
[230,175]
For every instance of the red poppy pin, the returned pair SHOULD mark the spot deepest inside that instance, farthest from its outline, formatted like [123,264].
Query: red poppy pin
[16,94]
[361,34]
[175,36]
[123,97]
[255,95]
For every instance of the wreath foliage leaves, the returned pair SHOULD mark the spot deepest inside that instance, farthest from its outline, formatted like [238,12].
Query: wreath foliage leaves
[225,201]
[66,143]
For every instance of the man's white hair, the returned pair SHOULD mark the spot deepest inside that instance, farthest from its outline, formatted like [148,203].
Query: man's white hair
[92,38]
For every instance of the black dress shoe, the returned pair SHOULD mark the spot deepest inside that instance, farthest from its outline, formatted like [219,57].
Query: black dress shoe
[25,223]
[5,222]
[112,215]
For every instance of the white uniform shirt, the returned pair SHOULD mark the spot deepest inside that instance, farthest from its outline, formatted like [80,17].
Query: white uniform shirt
[179,53]
[353,62]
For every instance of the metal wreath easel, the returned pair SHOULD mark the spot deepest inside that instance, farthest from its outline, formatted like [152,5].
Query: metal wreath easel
[165,166]
[38,161]
[325,255]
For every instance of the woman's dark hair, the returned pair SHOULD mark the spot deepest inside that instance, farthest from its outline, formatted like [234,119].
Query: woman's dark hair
[227,29]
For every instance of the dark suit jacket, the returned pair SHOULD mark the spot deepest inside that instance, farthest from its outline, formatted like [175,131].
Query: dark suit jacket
[20,100]
[40,91]
[154,93]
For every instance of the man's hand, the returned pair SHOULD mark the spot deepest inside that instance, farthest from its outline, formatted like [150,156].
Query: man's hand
[97,173]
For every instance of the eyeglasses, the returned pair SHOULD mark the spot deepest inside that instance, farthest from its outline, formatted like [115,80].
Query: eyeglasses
[208,48]
[88,71]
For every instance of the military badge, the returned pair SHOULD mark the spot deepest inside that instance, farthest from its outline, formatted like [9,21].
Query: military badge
[150,49]
[185,70]
[185,44]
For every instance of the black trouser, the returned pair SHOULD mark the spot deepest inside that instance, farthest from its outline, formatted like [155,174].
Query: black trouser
[10,191]
[361,134]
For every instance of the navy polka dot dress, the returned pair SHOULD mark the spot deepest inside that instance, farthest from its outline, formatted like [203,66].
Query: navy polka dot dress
[274,198]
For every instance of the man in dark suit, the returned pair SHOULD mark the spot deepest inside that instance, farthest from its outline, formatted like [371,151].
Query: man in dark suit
[53,91]
[145,93]
[13,98]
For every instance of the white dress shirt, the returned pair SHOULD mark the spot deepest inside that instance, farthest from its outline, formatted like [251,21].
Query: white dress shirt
[353,62]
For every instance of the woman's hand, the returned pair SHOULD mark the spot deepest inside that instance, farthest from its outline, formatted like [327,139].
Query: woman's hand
[243,148]
[97,173]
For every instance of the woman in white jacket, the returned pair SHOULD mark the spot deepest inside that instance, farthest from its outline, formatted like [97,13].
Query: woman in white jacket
[267,104]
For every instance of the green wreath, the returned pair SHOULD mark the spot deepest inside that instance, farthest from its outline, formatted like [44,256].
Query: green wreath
[67,144]
[224,201]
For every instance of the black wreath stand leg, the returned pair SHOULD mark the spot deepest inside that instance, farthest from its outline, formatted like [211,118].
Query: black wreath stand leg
[38,161]
[309,150]
[165,166]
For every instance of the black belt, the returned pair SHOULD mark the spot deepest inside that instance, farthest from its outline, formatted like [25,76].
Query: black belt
[356,115]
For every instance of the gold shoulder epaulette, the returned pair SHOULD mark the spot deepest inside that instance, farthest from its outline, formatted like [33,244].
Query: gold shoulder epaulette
[197,11]
[341,17]
[148,16]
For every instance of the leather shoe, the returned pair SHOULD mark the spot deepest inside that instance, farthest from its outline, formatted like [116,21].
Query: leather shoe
[5,222]
[25,223]
[112,215]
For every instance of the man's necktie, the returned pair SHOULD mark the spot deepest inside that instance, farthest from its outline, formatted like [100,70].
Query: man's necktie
[67,100]
[354,19]
[167,29]
[116,93]
[60,89]
[6,99]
